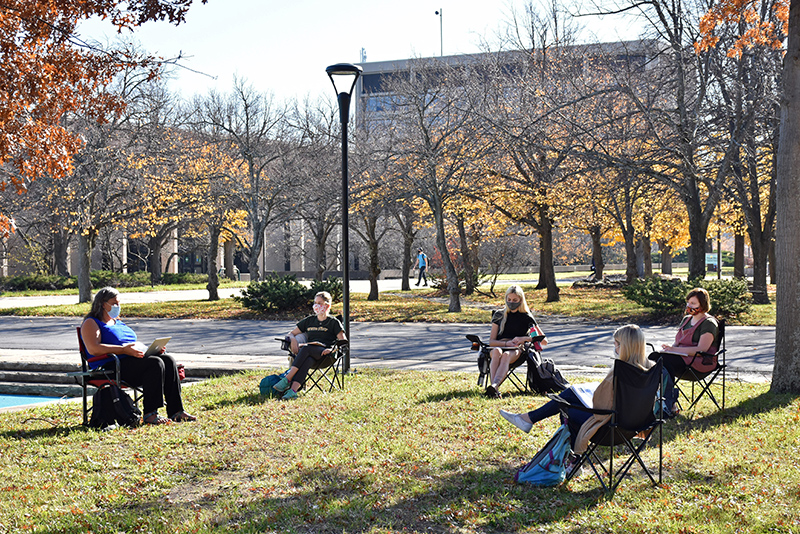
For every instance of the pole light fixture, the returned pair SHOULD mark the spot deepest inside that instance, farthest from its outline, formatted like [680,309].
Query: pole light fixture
[341,75]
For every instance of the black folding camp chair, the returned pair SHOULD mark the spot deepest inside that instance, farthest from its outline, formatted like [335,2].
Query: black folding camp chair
[521,383]
[632,425]
[326,372]
[699,383]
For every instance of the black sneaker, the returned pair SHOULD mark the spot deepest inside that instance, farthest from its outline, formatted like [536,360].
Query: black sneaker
[492,393]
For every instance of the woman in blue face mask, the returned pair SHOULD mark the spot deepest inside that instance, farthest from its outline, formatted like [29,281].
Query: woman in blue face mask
[512,326]
[104,333]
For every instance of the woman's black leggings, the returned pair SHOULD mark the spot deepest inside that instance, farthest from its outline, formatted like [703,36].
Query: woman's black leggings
[306,358]
[158,377]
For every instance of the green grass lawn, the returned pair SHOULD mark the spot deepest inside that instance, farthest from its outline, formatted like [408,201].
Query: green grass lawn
[396,451]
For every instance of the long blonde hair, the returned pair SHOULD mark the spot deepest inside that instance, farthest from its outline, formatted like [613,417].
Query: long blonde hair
[631,345]
[517,290]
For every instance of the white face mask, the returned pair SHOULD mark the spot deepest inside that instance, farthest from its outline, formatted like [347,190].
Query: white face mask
[114,311]
[320,308]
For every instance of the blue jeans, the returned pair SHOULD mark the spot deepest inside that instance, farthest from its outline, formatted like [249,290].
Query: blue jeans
[576,417]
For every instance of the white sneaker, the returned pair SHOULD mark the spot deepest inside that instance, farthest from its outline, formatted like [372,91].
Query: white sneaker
[572,463]
[516,420]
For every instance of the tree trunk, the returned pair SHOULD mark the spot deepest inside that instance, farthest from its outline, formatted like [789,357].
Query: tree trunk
[450,271]
[760,256]
[630,257]
[228,250]
[772,263]
[213,250]
[155,259]
[786,371]
[371,225]
[597,252]
[647,256]
[466,256]
[639,253]
[60,246]
[697,248]
[547,271]
[85,246]
[255,250]
[738,256]
[666,258]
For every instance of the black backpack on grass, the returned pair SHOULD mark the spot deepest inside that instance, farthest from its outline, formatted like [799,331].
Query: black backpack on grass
[112,406]
[543,375]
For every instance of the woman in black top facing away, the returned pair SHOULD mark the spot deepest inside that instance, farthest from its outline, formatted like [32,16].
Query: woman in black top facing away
[512,326]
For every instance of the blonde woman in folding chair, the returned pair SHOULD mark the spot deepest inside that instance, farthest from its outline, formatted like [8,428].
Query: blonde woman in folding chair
[511,329]
[321,331]
[629,346]
[104,333]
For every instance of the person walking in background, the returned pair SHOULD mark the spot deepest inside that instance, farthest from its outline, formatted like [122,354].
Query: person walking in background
[422,263]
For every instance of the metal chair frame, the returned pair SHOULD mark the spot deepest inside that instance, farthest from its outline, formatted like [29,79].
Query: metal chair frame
[704,380]
[483,352]
[620,432]
[332,364]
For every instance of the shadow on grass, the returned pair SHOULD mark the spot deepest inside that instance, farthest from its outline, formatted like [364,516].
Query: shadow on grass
[52,432]
[336,500]
[451,395]
[765,402]
[251,399]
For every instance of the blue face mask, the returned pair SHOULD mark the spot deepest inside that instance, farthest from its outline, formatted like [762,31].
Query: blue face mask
[114,311]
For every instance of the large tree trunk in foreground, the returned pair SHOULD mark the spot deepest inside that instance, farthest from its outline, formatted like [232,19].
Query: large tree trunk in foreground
[786,372]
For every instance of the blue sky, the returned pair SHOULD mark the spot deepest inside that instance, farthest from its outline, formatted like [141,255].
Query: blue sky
[284,46]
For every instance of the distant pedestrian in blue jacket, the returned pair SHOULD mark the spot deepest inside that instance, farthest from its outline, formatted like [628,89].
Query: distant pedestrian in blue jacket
[422,263]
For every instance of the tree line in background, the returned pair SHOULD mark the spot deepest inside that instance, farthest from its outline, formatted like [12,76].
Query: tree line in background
[647,142]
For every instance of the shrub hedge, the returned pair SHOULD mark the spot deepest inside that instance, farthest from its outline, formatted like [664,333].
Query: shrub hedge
[729,297]
[48,282]
[284,293]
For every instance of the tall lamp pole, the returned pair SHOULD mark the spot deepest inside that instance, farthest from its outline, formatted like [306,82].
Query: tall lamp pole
[344,73]
[440,13]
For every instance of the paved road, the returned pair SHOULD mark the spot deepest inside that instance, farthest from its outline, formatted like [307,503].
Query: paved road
[572,342]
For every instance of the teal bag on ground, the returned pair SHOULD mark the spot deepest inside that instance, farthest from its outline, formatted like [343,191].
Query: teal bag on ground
[268,381]
[549,466]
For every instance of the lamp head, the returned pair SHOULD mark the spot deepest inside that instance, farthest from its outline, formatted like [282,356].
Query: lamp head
[344,72]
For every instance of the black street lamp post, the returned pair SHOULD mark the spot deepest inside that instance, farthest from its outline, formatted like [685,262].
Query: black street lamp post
[345,71]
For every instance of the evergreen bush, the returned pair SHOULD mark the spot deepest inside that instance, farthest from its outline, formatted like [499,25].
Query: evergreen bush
[113,279]
[729,297]
[184,278]
[332,285]
[285,294]
[665,295]
[275,293]
[37,282]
